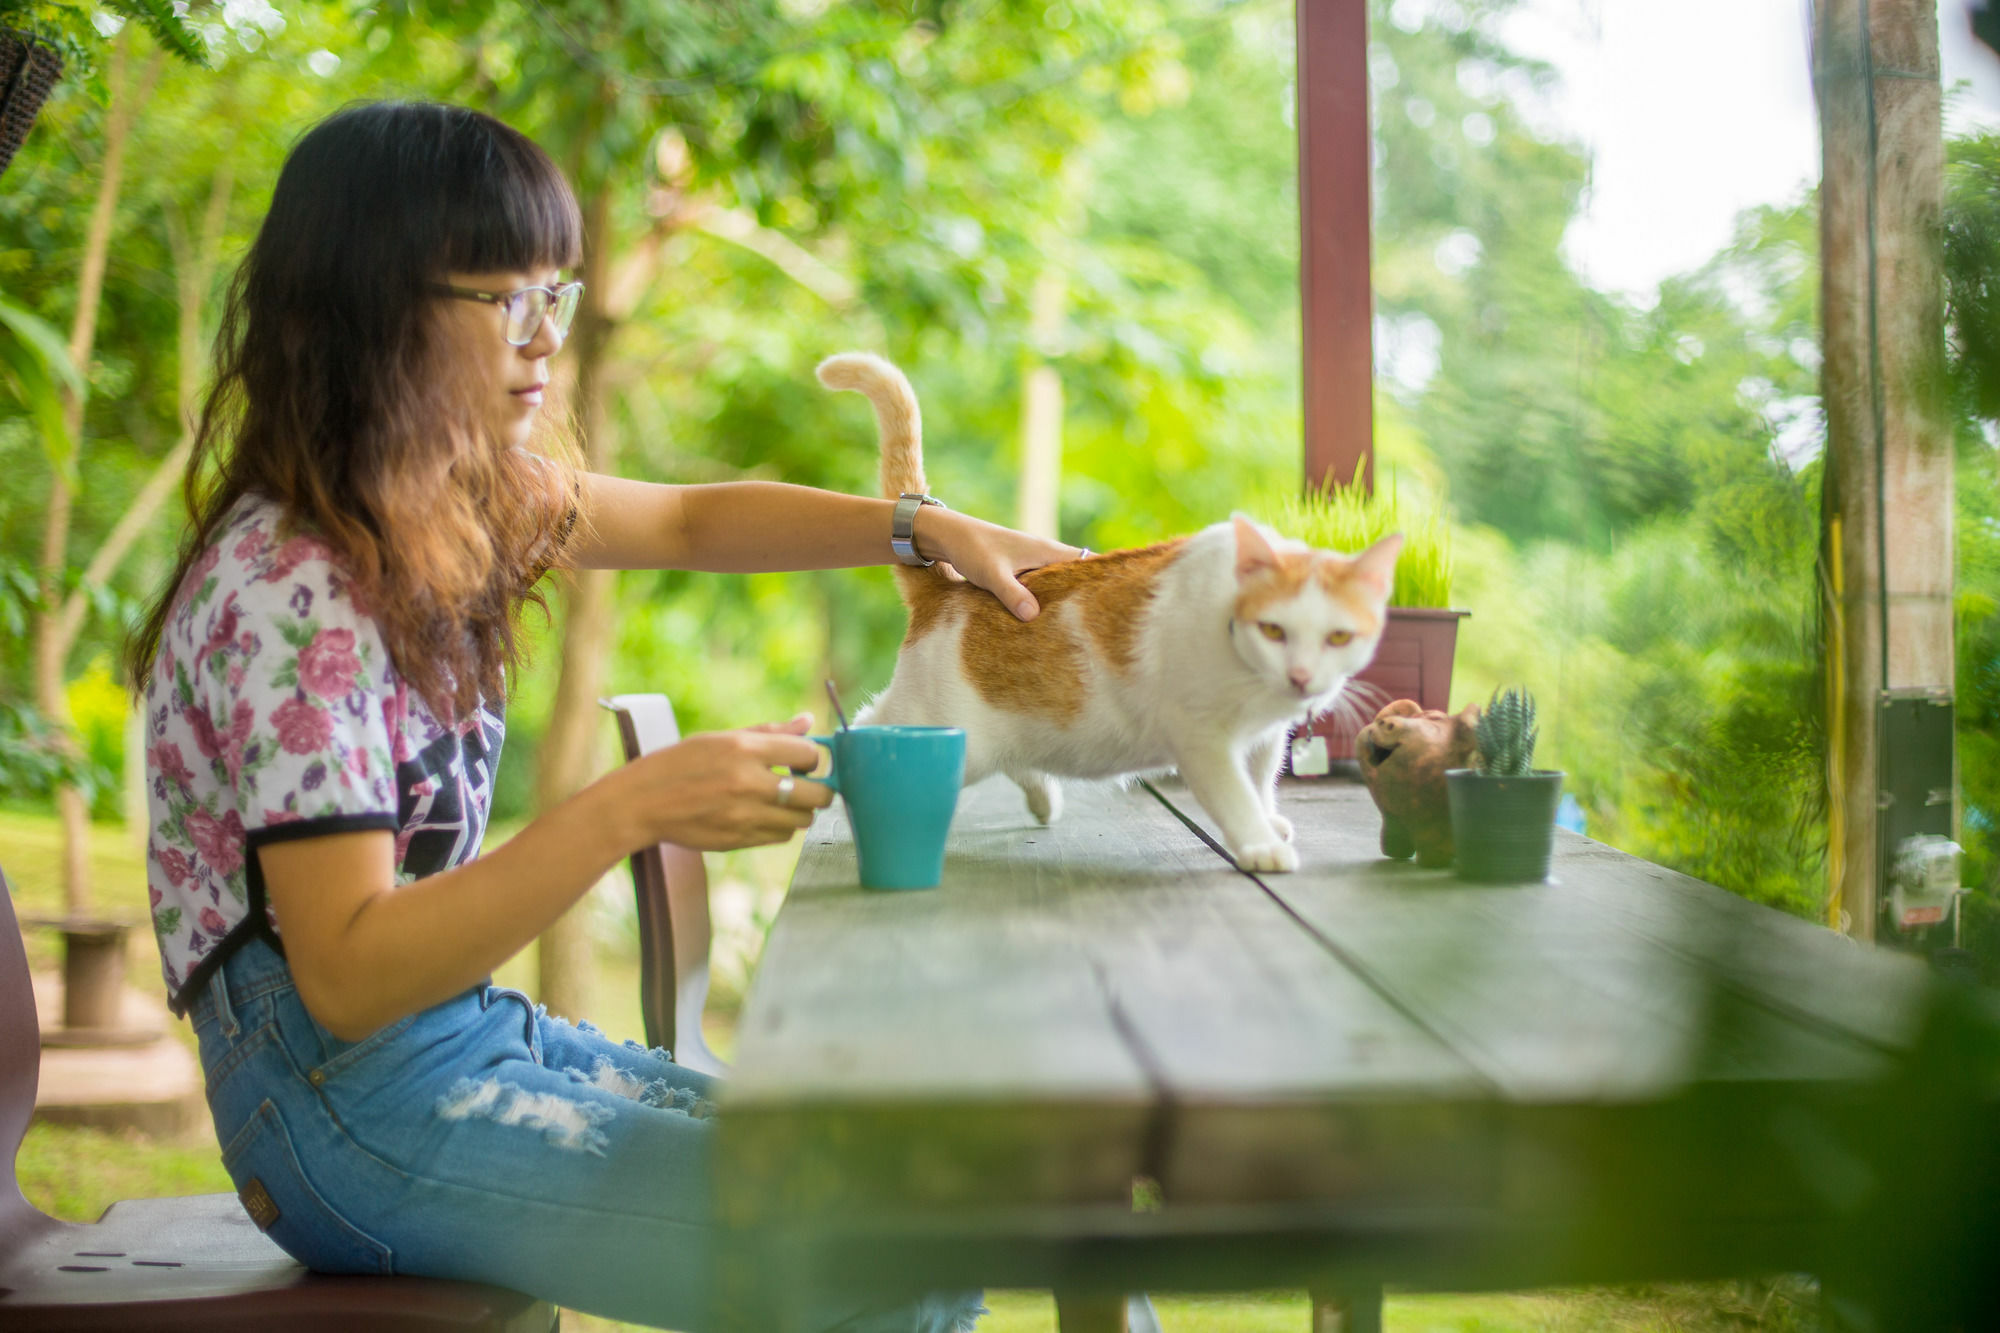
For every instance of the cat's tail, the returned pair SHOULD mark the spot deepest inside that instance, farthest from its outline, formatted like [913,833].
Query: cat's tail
[896,415]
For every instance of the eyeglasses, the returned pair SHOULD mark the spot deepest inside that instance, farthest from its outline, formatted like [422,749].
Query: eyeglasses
[526,307]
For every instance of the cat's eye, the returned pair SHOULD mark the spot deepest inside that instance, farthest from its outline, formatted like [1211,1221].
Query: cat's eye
[1275,633]
[1340,638]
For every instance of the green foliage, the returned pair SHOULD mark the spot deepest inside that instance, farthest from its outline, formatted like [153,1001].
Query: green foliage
[1350,518]
[1506,734]
[71,30]
[1971,242]
[35,369]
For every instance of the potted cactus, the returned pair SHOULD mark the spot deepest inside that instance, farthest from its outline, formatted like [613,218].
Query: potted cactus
[1503,810]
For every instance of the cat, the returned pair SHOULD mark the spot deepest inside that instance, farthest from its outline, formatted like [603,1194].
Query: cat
[1197,654]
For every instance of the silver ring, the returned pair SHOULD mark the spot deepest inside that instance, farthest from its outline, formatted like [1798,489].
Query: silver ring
[1083,553]
[785,786]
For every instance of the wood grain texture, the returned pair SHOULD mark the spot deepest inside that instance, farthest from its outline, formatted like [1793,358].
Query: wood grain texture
[1620,1073]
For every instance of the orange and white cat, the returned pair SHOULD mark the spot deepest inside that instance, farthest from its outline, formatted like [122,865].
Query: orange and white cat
[1198,653]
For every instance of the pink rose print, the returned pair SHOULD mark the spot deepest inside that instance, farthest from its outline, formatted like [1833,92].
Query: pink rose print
[395,712]
[328,666]
[219,842]
[302,728]
[204,565]
[224,632]
[176,865]
[293,554]
[251,546]
[212,922]
[236,674]
[153,895]
[281,817]
[166,757]
[241,719]
[205,738]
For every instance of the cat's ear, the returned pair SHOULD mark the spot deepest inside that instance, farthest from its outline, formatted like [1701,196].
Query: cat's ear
[1253,549]
[1376,566]
[1465,723]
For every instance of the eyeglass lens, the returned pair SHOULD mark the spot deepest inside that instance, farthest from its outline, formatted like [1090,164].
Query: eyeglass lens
[527,309]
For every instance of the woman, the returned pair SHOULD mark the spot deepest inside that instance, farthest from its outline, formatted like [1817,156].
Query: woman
[324,677]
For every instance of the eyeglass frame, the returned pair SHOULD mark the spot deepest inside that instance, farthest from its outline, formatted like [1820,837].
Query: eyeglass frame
[502,299]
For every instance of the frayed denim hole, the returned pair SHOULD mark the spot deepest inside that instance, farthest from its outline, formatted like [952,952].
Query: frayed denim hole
[658,1052]
[690,1102]
[563,1123]
[606,1076]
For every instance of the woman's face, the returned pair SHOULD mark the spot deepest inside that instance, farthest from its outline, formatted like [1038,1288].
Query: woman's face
[509,380]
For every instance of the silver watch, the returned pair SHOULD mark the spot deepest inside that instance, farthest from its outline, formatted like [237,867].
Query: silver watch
[903,527]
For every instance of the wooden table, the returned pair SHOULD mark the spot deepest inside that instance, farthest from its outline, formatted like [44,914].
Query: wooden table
[1099,1058]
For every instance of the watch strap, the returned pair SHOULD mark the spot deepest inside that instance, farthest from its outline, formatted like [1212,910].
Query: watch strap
[903,527]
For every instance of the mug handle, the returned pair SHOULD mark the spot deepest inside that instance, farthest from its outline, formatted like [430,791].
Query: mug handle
[831,778]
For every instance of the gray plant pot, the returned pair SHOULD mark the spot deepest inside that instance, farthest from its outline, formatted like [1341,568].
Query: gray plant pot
[1503,829]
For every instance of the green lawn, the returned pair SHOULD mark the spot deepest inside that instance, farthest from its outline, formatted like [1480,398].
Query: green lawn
[76,1173]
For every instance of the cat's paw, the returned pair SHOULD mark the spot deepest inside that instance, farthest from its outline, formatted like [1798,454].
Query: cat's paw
[1044,799]
[1275,856]
[1281,826]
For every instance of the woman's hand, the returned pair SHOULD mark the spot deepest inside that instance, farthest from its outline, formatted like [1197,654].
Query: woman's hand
[987,555]
[717,791]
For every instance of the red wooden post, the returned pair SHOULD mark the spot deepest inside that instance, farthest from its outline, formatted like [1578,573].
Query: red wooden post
[1336,298]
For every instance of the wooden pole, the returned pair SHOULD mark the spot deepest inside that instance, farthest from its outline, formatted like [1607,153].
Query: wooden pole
[1336,300]
[1886,544]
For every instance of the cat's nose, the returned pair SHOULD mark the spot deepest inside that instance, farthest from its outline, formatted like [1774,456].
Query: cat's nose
[1300,678]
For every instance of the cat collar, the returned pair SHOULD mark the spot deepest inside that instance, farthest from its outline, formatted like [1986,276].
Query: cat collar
[903,527]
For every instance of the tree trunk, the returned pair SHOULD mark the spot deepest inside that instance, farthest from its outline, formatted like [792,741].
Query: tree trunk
[565,762]
[51,650]
[1886,543]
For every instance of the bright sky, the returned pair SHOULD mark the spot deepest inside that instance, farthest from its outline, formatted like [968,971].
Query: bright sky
[1695,110]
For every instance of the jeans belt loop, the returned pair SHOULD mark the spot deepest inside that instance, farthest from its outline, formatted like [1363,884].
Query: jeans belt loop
[218,987]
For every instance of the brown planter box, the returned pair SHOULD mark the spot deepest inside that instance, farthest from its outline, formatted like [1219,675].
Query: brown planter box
[29,68]
[1413,661]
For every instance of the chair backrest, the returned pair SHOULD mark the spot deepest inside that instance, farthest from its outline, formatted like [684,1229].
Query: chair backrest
[670,884]
[20,1072]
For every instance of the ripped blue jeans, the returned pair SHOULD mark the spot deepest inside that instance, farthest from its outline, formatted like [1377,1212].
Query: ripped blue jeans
[484,1140]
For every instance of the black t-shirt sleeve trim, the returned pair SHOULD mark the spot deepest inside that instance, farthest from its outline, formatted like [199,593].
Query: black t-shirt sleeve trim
[322,827]
[256,924]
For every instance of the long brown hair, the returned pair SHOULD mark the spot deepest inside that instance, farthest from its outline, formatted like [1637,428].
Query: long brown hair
[332,396]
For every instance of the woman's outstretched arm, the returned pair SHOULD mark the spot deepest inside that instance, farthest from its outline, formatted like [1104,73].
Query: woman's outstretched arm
[745,527]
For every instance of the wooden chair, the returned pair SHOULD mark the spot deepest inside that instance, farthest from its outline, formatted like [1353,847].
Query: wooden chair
[670,885]
[194,1264]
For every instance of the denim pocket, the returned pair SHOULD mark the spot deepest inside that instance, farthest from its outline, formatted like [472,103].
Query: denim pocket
[338,1054]
[282,1201]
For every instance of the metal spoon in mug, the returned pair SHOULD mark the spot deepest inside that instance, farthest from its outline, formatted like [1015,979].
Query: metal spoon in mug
[838,711]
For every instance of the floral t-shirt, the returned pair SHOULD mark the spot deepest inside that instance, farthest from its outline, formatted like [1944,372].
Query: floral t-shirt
[273,712]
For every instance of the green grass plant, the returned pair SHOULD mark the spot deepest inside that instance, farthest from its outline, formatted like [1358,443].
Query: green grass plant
[1351,518]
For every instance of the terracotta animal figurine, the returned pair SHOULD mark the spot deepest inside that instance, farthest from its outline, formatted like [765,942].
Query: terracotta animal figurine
[1403,755]
[1197,654]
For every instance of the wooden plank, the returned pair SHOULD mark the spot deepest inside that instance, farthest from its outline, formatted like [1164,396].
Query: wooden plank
[1615,981]
[1108,987]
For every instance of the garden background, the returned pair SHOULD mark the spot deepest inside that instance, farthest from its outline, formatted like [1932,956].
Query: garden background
[979,188]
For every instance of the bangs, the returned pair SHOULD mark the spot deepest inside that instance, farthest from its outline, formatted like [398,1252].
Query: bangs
[512,210]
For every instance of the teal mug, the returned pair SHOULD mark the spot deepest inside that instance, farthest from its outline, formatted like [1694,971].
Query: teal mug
[901,789]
